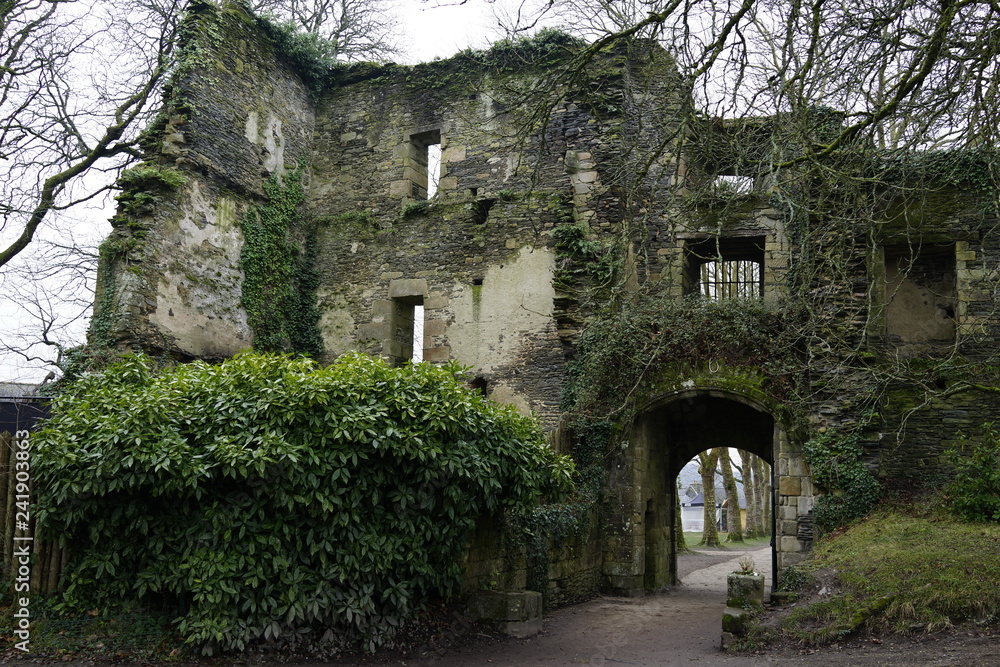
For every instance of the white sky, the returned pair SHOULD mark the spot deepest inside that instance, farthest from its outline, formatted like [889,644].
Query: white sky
[439,29]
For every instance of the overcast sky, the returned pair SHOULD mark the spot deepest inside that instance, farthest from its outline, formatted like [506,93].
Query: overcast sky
[440,30]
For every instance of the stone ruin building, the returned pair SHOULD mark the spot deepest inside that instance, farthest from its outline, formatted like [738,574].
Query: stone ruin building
[489,265]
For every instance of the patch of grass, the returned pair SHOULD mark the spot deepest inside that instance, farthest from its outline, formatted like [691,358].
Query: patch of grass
[692,540]
[898,573]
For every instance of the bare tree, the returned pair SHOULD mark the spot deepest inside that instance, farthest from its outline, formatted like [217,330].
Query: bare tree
[47,296]
[77,84]
[355,30]
[79,81]
[680,542]
[734,522]
[753,528]
[762,493]
[905,73]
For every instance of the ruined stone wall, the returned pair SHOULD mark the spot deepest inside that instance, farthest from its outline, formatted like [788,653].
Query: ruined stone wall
[480,255]
[504,296]
[569,571]
[236,114]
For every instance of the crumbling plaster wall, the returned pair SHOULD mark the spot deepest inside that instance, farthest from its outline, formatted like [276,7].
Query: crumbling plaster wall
[236,114]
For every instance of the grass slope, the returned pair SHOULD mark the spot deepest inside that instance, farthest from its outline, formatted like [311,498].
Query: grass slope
[896,572]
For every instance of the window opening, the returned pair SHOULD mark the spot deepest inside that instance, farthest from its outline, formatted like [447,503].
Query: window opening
[725,184]
[407,330]
[418,333]
[424,167]
[726,268]
[433,169]
[920,293]
[481,211]
[479,385]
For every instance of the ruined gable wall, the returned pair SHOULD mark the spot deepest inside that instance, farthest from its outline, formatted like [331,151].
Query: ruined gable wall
[236,114]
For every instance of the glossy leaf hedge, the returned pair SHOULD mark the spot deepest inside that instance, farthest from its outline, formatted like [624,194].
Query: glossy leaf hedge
[267,496]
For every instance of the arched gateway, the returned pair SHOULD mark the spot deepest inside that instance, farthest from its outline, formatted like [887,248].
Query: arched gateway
[668,431]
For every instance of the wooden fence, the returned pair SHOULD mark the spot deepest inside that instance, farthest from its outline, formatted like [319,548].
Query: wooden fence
[47,560]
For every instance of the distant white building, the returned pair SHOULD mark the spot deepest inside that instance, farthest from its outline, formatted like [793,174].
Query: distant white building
[693,501]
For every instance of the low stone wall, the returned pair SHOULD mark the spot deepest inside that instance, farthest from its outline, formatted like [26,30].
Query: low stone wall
[570,571]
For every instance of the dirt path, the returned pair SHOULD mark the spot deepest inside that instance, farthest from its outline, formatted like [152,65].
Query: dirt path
[678,627]
[683,627]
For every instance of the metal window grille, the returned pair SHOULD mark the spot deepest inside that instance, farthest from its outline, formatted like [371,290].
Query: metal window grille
[730,279]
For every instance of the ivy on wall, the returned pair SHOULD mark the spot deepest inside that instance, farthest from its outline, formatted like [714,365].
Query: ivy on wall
[619,355]
[280,278]
[836,462]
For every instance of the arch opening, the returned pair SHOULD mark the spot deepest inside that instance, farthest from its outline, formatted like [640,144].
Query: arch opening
[641,547]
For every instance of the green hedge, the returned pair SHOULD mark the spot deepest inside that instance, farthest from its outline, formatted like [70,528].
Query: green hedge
[267,496]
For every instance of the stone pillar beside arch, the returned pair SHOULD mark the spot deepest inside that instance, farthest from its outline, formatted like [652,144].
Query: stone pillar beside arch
[795,496]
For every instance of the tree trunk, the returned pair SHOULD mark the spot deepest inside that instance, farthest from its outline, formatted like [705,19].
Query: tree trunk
[680,544]
[734,522]
[753,525]
[707,461]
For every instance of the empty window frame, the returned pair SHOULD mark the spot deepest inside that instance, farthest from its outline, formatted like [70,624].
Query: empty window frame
[424,166]
[407,343]
[726,267]
[920,293]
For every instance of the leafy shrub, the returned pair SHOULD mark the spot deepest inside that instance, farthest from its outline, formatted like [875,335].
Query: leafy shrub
[547,47]
[266,496]
[312,56]
[974,494]
[415,208]
[149,176]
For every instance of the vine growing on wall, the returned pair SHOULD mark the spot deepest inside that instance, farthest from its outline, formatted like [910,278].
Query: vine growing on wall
[280,277]
[837,465]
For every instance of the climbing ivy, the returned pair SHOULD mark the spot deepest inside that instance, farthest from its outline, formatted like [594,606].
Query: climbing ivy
[280,279]
[974,169]
[851,490]
[546,48]
[619,354]
[583,256]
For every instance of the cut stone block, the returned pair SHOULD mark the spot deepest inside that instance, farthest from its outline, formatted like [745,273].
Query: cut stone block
[734,621]
[516,613]
[745,590]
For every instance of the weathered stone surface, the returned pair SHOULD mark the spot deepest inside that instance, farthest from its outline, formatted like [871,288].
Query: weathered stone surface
[734,621]
[516,613]
[745,590]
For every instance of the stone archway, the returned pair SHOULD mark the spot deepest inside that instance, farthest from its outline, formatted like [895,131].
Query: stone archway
[668,432]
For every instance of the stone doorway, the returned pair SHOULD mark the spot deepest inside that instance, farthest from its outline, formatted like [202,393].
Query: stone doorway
[641,554]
